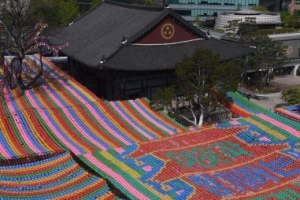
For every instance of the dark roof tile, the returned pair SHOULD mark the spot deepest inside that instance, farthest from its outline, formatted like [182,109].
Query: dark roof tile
[100,31]
[160,57]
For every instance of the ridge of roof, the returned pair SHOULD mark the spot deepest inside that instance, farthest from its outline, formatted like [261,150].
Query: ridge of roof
[111,55]
[134,6]
[124,5]
[192,27]
[130,55]
[107,22]
[88,11]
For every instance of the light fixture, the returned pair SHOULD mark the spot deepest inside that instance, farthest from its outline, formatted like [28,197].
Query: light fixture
[124,40]
[208,34]
[103,59]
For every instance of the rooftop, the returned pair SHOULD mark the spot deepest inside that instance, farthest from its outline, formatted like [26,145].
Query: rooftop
[102,39]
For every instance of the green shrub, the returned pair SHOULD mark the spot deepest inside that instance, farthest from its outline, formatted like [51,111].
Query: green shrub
[219,30]
[272,75]
[277,31]
[298,72]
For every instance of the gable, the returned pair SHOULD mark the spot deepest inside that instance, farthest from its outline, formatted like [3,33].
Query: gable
[167,31]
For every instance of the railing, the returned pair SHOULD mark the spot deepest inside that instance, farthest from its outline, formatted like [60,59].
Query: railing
[257,96]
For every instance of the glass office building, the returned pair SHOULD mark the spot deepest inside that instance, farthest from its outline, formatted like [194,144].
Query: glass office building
[189,9]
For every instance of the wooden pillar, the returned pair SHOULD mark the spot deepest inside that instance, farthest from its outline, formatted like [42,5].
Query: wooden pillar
[71,67]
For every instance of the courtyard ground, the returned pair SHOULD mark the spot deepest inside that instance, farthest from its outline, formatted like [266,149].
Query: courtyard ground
[281,83]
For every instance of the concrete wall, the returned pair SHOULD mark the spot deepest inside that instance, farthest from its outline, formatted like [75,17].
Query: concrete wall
[294,6]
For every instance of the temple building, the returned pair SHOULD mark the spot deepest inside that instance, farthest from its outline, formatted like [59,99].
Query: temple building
[121,51]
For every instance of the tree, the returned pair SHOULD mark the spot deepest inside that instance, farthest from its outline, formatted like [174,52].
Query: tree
[21,38]
[291,96]
[247,29]
[269,53]
[260,8]
[67,11]
[94,3]
[55,13]
[197,21]
[148,3]
[203,81]
[163,99]
[232,28]
[42,11]
[289,20]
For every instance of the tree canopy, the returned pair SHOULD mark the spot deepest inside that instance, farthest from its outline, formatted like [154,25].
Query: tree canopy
[291,96]
[148,3]
[232,28]
[67,11]
[269,53]
[202,81]
[260,8]
[19,36]
[247,29]
[289,20]
[52,12]
[94,3]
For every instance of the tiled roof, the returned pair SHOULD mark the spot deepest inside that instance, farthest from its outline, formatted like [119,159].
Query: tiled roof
[100,31]
[291,112]
[161,57]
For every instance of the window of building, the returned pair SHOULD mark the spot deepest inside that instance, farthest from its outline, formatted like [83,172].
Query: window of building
[183,12]
[214,2]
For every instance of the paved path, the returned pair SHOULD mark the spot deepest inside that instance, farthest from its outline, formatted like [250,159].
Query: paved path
[281,83]
[286,82]
[268,104]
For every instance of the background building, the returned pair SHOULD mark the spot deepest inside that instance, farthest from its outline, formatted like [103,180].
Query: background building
[274,5]
[189,9]
[295,5]
[264,20]
[292,42]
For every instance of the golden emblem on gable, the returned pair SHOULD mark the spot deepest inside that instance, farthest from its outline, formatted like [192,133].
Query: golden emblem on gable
[167,31]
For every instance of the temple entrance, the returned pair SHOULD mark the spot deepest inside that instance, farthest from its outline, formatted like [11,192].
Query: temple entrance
[283,71]
[134,96]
